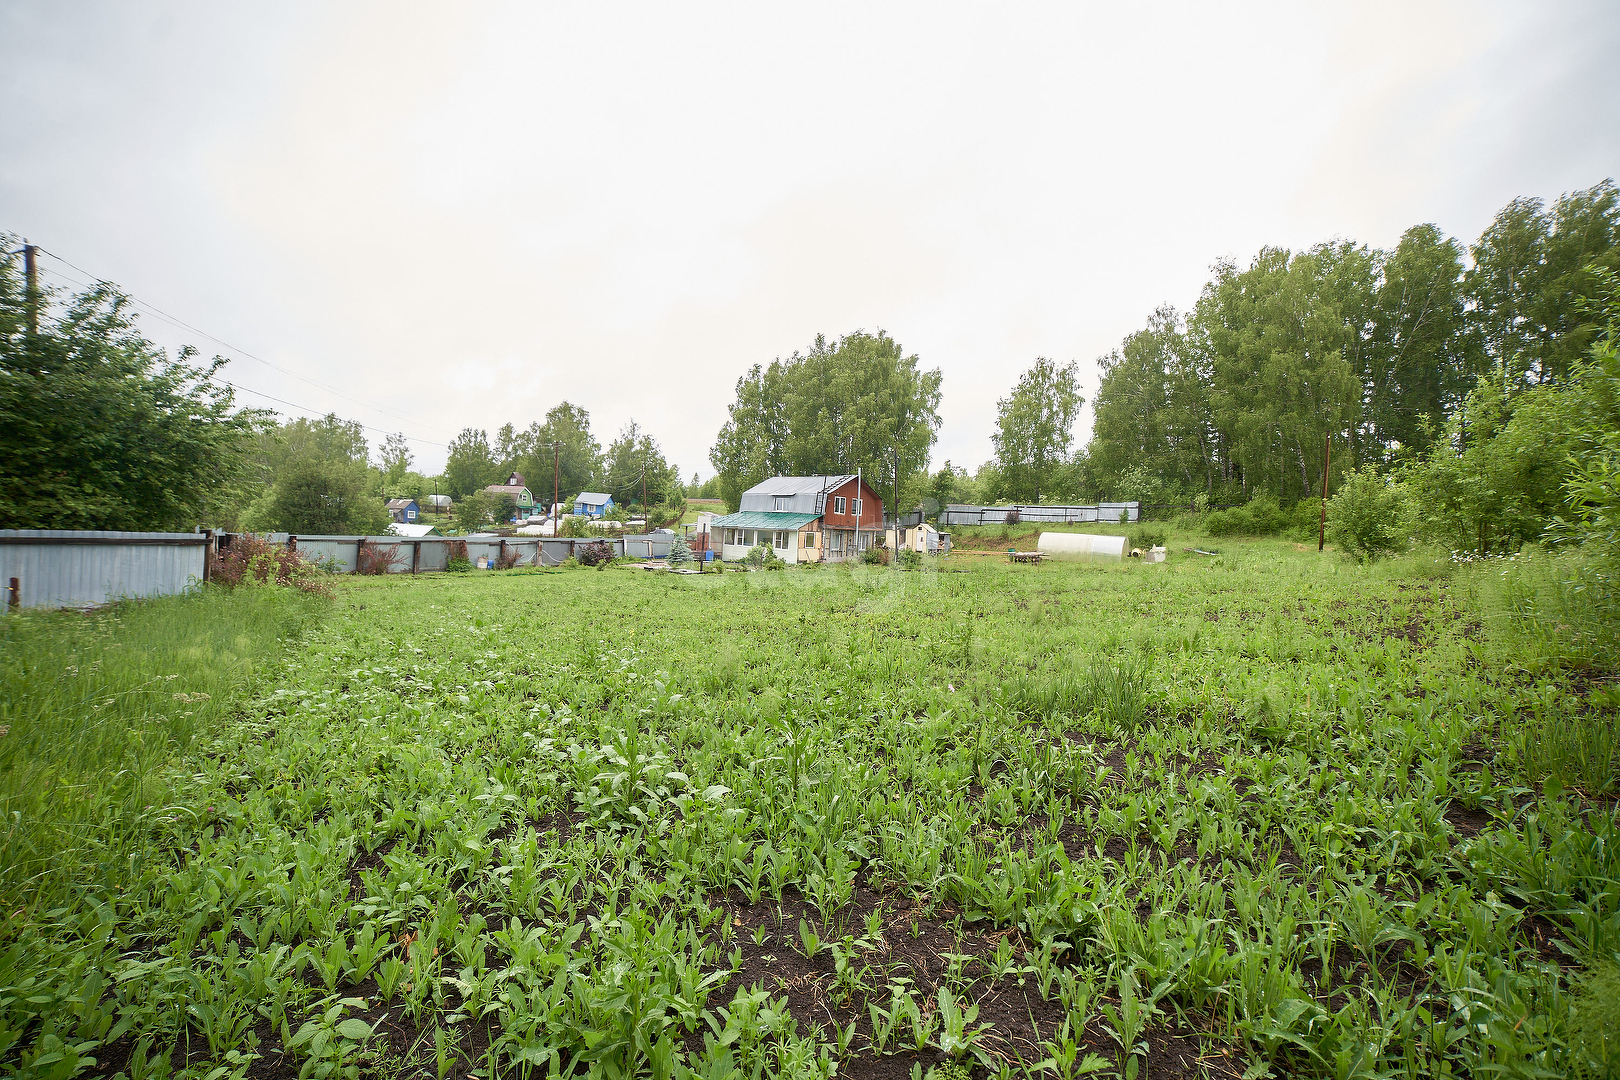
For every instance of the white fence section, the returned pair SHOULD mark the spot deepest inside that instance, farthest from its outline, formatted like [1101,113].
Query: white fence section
[1047,515]
[56,568]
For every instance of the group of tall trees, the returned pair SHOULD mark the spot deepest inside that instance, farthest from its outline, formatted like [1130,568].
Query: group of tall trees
[1377,349]
[854,404]
[561,455]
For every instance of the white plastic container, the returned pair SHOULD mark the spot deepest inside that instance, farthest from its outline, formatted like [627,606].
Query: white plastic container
[1082,547]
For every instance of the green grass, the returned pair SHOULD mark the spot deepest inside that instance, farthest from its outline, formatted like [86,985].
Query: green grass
[1264,808]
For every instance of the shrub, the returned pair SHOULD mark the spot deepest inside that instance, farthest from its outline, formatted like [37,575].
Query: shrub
[763,557]
[1262,516]
[569,563]
[572,526]
[1149,536]
[680,552]
[1011,518]
[253,560]
[458,563]
[375,559]
[596,553]
[908,560]
[1370,516]
[875,556]
[507,559]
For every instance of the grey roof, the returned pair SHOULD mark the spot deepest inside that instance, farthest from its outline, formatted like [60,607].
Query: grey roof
[798,485]
[592,497]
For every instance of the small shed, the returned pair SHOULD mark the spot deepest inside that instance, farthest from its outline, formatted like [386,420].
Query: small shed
[413,531]
[404,510]
[593,504]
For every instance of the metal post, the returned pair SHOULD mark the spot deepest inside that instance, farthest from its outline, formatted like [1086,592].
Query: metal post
[1327,460]
[14,594]
[416,555]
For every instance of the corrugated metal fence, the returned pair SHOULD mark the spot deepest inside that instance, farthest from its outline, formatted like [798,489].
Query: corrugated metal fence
[1064,515]
[72,568]
[56,568]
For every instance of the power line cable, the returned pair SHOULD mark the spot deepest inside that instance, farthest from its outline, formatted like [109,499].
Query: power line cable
[259,393]
[183,325]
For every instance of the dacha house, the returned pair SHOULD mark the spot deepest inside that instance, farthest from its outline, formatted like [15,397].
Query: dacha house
[404,510]
[517,491]
[593,504]
[803,519]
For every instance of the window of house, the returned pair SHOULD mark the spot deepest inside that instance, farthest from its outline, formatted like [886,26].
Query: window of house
[810,540]
[836,539]
[783,502]
[838,504]
[781,541]
[748,537]
[858,507]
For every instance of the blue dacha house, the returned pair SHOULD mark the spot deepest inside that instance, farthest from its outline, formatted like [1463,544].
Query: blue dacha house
[404,510]
[593,504]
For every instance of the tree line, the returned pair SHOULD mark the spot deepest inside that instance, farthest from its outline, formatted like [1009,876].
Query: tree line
[102,429]
[1430,358]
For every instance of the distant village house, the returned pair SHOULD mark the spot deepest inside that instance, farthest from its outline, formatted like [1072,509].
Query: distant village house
[593,504]
[516,490]
[404,510]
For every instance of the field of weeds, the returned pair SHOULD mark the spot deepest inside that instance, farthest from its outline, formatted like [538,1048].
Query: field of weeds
[1263,813]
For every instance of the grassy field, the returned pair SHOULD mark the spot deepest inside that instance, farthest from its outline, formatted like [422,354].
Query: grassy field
[1261,813]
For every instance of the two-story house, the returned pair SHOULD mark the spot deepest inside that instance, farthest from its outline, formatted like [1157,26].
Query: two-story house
[803,519]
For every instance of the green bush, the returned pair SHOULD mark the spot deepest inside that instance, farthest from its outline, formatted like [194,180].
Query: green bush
[1263,516]
[1371,516]
[1149,536]
[908,560]
[763,557]
[875,556]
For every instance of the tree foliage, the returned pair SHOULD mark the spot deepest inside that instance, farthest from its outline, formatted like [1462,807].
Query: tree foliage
[1035,428]
[470,465]
[560,453]
[315,496]
[1381,350]
[634,470]
[101,429]
[834,409]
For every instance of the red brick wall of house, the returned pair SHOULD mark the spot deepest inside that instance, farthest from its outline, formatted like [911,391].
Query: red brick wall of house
[871,508]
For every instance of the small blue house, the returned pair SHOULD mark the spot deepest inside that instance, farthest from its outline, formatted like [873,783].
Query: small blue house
[404,510]
[593,504]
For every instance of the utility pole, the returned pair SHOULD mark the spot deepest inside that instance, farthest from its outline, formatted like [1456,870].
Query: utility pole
[556,484]
[897,498]
[644,490]
[31,291]
[1327,460]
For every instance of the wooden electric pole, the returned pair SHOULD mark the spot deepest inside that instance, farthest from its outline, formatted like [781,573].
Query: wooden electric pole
[1327,460]
[31,288]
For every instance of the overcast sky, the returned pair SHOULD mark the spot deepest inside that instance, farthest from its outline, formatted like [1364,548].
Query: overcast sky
[461,216]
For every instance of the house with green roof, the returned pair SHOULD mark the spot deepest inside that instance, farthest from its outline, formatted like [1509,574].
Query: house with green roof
[803,519]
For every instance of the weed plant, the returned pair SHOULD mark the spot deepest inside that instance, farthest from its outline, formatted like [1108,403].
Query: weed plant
[1263,813]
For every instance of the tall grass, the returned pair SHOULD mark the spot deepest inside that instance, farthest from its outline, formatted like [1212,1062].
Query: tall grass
[94,706]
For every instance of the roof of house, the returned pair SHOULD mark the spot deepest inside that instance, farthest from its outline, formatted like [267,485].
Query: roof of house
[399,528]
[798,485]
[593,497]
[399,504]
[516,480]
[762,519]
[507,489]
